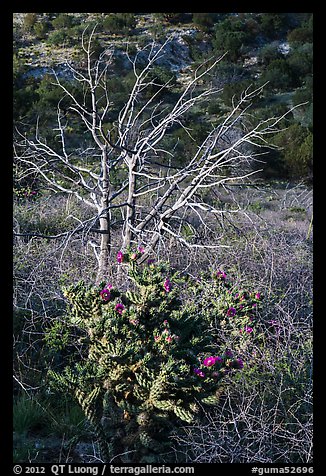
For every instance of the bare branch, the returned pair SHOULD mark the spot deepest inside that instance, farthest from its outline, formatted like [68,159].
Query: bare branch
[152,197]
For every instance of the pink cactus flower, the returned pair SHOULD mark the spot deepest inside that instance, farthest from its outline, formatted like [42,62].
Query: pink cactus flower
[105,294]
[199,372]
[209,361]
[167,285]
[231,311]
[221,275]
[120,257]
[119,308]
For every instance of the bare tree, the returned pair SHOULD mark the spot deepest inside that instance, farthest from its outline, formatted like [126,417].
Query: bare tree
[153,196]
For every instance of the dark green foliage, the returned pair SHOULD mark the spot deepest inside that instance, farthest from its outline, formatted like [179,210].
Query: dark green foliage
[301,61]
[28,415]
[269,53]
[41,29]
[172,17]
[63,20]
[57,37]
[30,20]
[204,21]
[279,75]
[303,33]
[162,81]
[230,37]
[296,145]
[145,367]
[305,95]
[300,36]
[118,23]
[232,92]
[240,35]
[24,93]
[272,24]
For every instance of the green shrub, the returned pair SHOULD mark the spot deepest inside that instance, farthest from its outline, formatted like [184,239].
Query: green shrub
[280,75]
[150,360]
[29,21]
[57,37]
[28,415]
[172,17]
[204,21]
[119,23]
[68,418]
[296,143]
[300,36]
[232,92]
[269,53]
[231,36]
[272,24]
[63,20]
[301,61]
[41,29]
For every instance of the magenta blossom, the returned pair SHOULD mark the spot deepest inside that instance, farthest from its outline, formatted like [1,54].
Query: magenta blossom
[231,311]
[221,275]
[120,257]
[238,364]
[141,249]
[257,295]
[167,285]
[199,372]
[119,308]
[105,294]
[248,329]
[228,353]
[209,361]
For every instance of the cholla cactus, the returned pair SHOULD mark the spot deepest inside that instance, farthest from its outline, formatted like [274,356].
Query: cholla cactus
[151,362]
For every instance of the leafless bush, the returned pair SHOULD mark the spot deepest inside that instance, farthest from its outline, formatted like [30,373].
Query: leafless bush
[266,415]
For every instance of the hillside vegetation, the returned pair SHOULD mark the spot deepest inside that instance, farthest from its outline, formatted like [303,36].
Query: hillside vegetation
[261,48]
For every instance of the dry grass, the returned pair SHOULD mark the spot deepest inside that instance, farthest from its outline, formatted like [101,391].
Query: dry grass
[266,414]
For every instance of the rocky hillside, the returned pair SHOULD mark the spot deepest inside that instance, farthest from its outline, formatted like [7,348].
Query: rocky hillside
[274,49]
